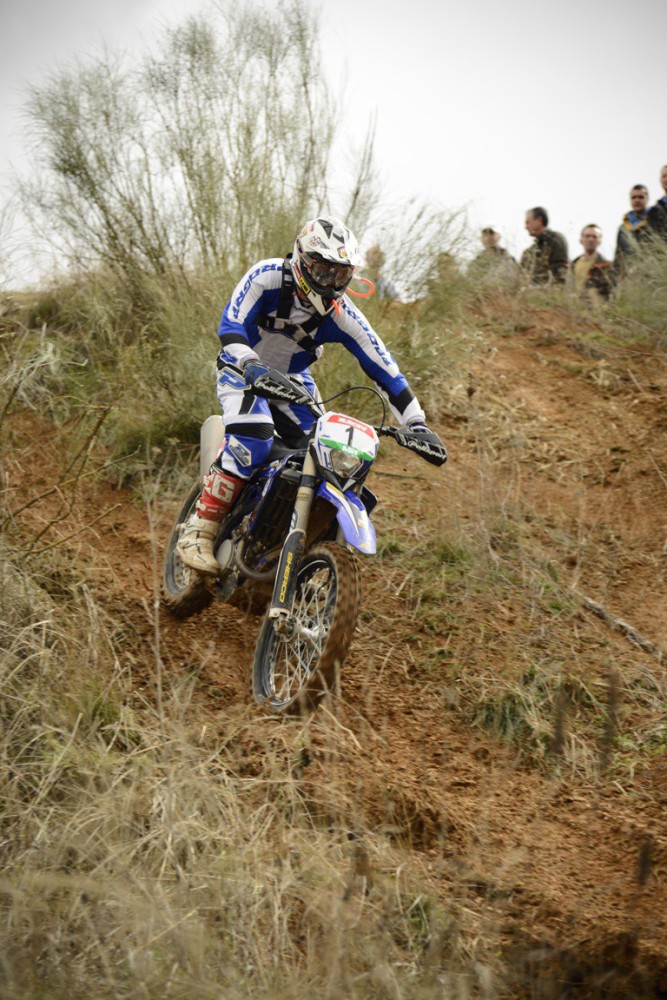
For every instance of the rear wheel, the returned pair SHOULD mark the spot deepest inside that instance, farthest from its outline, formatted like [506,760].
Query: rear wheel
[293,669]
[183,590]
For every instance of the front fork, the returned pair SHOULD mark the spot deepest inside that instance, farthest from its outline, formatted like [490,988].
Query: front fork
[293,549]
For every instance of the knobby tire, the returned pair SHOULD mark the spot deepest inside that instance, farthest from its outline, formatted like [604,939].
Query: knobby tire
[184,592]
[330,574]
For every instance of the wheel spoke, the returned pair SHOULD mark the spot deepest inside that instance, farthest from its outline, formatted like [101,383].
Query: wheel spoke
[299,656]
[182,573]
[297,664]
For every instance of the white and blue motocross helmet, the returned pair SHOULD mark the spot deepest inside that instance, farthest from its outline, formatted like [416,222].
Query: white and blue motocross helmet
[325,259]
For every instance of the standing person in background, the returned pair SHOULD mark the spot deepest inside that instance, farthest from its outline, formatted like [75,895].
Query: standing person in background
[546,261]
[374,267]
[592,274]
[633,232]
[494,261]
[657,214]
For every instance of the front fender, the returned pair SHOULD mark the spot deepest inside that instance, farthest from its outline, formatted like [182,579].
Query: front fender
[352,518]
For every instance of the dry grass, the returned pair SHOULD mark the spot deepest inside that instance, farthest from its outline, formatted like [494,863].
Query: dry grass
[149,850]
[495,598]
[142,856]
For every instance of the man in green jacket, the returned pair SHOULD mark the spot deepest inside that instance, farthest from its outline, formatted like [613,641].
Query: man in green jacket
[634,233]
[591,274]
[546,261]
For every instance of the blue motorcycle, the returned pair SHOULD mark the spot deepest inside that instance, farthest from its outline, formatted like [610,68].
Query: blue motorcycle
[292,538]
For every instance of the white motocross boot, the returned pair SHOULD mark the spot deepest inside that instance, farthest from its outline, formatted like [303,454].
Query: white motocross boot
[195,544]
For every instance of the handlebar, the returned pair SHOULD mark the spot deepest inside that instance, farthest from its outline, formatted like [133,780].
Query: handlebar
[273,384]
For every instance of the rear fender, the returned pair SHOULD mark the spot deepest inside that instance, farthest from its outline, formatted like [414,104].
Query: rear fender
[352,518]
[211,439]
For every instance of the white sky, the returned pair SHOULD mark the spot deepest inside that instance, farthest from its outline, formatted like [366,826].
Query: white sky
[484,105]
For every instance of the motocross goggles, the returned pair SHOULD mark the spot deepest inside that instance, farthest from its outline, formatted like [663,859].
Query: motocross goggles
[326,273]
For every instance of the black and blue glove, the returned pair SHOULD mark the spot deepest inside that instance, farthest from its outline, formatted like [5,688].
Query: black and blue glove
[425,442]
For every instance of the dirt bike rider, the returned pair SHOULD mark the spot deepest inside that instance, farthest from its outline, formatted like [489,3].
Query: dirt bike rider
[280,315]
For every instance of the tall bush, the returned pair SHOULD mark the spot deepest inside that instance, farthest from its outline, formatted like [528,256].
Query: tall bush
[206,154]
[163,181]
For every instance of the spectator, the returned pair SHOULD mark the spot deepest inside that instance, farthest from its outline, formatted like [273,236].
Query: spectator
[494,261]
[592,274]
[443,275]
[546,261]
[374,264]
[633,232]
[657,214]
[442,286]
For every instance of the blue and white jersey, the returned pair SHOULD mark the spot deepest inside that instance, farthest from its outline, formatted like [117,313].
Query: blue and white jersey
[243,336]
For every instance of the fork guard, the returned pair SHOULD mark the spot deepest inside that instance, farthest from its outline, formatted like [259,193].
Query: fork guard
[352,517]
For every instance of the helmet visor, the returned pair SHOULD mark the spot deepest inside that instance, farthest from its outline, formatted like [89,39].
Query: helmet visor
[328,274]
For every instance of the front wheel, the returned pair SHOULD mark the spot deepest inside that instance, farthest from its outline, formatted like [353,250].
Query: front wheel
[294,668]
[183,590]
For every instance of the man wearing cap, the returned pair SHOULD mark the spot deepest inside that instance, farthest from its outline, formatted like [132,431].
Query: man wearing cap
[494,261]
[546,261]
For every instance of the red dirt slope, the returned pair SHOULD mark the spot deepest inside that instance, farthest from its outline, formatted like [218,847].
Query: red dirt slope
[570,452]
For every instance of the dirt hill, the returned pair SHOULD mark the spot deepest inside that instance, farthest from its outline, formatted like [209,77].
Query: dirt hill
[502,709]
